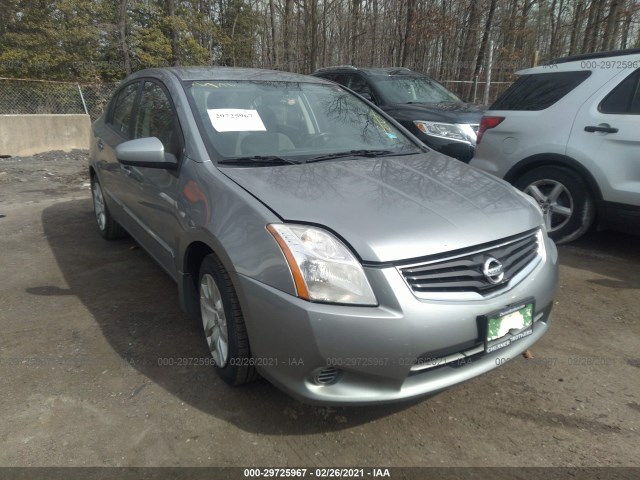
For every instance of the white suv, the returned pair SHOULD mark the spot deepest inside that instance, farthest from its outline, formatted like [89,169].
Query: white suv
[568,134]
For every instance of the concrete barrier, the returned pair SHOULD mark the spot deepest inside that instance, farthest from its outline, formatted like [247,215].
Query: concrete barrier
[29,134]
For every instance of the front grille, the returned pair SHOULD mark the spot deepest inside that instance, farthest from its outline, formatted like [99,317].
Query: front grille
[465,270]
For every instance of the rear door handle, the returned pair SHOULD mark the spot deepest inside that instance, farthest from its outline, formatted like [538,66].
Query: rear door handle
[600,128]
[127,170]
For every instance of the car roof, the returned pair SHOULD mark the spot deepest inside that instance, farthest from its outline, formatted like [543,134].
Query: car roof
[576,62]
[594,55]
[384,71]
[225,73]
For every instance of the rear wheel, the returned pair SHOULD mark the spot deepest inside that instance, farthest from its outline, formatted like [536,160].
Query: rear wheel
[109,228]
[564,198]
[223,324]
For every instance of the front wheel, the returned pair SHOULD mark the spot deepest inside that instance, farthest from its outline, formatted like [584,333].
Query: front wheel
[564,198]
[223,324]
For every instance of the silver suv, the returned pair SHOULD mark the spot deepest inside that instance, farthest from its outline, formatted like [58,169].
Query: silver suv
[568,134]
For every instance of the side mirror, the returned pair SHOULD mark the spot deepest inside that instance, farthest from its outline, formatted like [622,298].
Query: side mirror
[145,152]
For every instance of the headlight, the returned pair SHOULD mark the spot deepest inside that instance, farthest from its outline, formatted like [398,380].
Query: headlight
[542,250]
[323,269]
[449,131]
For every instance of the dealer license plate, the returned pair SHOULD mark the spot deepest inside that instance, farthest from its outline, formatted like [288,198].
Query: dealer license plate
[509,325]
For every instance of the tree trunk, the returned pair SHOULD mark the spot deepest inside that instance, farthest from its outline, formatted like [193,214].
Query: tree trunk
[444,43]
[411,5]
[522,30]
[596,38]
[274,49]
[576,27]
[468,51]
[555,21]
[355,14]
[122,28]
[612,20]
[485,38]
[313,48]
[509,38]
[173,33]
[591,36]
[627,27]
[286,33]
[374,40]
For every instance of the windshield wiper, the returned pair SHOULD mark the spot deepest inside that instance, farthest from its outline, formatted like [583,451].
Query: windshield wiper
[352,153]
[258,159]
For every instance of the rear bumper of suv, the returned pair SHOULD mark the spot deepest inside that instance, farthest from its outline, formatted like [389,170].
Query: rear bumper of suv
[348,355]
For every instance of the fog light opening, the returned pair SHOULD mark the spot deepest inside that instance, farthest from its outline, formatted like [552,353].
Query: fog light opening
[326,376]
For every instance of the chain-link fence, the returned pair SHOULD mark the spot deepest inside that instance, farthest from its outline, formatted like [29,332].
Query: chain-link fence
[38,96]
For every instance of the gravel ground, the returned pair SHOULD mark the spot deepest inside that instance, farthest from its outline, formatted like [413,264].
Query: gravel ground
[45,175]
[84,323]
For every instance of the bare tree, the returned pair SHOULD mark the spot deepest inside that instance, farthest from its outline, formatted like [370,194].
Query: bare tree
[173,32]
[122,30]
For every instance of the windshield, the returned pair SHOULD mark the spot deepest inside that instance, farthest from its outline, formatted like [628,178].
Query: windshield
[290,122]
[405,89]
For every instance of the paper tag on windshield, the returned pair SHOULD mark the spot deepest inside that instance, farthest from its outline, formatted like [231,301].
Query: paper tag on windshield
[235,120]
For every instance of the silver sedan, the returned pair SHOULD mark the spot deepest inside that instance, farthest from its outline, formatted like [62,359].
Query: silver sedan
[321,245]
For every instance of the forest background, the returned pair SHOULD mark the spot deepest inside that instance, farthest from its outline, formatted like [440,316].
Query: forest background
[94,41]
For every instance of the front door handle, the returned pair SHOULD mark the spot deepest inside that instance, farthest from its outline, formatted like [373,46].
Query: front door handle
[600,128]
[127,170]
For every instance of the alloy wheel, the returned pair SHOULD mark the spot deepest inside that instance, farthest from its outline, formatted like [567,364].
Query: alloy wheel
[214,320]
[98,206]
[555,201]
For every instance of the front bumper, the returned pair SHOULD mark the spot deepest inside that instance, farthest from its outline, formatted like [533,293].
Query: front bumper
[373,349]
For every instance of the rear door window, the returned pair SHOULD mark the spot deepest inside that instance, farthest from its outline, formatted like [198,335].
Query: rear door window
[625,98]
[539,91]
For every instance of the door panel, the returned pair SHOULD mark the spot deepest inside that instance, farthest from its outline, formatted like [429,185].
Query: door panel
[154,191]
[605,138]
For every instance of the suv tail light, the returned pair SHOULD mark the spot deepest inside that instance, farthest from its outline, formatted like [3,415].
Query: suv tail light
[487,123]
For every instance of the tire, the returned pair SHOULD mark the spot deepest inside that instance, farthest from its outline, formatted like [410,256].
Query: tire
[223,324]
[109,228]
[566,202]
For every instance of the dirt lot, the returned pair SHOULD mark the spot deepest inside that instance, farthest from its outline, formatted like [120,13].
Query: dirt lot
[84,323]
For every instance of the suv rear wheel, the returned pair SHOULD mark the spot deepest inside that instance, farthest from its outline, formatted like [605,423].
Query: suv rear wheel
[565,200]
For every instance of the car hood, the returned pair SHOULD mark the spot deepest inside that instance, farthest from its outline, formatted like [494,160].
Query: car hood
[437,112]
[393,208]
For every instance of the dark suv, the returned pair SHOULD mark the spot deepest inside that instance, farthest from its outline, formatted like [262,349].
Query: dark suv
[422,105]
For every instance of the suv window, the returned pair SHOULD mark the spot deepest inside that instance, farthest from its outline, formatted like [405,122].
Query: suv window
[359,85]
[413,89]
[625,98]
[123,109]
[157,118]
[539,91]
